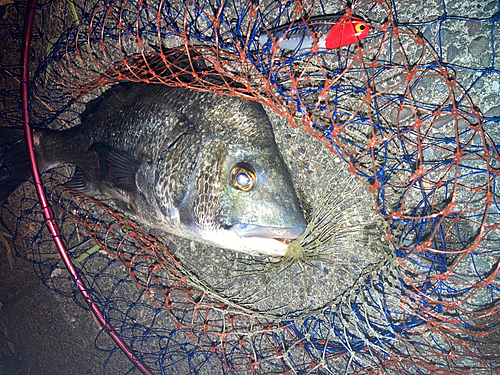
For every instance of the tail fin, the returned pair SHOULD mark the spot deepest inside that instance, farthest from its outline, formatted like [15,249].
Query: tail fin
[14,161]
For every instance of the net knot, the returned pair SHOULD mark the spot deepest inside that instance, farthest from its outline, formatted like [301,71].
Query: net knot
[295,250]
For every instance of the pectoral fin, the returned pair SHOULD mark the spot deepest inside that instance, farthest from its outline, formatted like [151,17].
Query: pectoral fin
[117,167]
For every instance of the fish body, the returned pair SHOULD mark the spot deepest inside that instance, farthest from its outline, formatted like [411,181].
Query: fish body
[327,32]
[199,165]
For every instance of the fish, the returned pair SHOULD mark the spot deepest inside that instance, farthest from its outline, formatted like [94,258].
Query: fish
[327,32]
[199,165]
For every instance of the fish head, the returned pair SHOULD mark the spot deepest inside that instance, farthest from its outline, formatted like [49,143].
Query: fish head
[259,200]
[241,195]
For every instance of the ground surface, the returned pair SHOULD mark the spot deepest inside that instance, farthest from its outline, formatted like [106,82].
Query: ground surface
[51,333]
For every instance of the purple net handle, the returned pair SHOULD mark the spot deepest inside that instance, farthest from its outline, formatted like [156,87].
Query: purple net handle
[47,211]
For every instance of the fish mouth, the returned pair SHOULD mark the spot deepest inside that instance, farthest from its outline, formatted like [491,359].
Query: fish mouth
[285,235]
[255,239]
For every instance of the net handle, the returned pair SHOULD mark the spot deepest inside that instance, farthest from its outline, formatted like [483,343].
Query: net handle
[47,211]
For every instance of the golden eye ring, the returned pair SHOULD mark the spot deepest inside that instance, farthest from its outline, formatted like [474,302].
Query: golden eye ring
[243,176]
[360,27]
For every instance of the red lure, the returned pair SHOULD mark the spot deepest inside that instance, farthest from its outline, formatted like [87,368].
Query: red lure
[330,32]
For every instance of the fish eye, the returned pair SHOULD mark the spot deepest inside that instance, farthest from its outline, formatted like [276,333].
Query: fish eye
[243,176]
[360,27]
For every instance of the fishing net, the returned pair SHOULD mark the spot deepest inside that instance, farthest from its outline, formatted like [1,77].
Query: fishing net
[394,146]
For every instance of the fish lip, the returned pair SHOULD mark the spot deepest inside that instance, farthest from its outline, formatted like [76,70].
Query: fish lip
[286,234]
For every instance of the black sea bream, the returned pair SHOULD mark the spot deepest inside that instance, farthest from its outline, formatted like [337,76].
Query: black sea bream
[199,165]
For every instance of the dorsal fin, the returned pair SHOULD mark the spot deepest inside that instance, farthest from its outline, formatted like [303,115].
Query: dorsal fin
[93,106]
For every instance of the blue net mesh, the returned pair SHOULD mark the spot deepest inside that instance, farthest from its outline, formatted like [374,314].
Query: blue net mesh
[413,112]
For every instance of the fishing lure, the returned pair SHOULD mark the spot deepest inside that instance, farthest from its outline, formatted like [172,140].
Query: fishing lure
[330,32]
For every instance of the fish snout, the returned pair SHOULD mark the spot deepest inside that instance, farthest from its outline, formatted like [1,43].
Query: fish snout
[252,230]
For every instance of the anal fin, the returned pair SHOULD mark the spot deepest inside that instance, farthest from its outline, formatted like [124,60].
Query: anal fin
[79,183]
